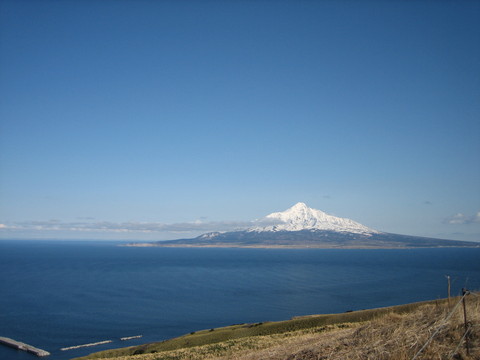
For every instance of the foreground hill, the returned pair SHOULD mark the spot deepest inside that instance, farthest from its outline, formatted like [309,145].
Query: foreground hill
[304,227]
[394,333]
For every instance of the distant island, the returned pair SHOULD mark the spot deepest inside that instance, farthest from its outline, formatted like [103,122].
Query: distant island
[301,227]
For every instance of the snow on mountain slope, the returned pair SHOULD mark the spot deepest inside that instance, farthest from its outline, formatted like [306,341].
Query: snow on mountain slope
[301,217]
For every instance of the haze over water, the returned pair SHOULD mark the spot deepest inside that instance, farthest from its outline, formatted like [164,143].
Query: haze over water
[58,294]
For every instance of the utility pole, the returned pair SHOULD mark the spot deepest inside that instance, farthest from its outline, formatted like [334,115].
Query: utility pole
[448,279]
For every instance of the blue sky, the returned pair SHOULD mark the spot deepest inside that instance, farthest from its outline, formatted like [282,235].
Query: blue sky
[166,119]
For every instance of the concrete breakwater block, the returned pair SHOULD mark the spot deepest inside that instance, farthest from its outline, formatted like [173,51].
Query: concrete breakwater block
[22,346]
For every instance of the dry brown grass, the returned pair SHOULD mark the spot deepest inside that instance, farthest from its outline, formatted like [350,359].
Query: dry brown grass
[391,336]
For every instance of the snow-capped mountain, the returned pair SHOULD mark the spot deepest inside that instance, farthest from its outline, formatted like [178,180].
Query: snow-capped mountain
[303,227]
[301,217]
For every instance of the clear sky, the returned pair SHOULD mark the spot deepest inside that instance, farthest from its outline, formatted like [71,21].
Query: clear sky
[166,119]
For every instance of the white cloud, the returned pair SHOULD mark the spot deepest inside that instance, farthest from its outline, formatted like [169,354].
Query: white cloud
[138,227]
[476,218]
[460,218]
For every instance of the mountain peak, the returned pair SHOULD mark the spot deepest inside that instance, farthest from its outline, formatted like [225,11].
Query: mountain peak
[301,217]
[300,205]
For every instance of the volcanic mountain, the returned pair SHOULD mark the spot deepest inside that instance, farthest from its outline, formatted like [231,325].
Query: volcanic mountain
[300,217]
[304,227]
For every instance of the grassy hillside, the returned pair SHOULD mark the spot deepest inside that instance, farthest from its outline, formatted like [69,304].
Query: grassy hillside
[387,333]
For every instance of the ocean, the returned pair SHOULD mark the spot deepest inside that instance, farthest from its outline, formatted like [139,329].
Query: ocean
[57,294]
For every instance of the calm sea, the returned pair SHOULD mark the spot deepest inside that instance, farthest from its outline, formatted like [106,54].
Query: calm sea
[59,294]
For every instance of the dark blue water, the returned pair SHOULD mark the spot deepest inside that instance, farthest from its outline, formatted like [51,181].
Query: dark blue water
[60,294]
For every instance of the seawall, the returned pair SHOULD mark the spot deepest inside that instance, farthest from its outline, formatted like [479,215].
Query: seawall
[22,346]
